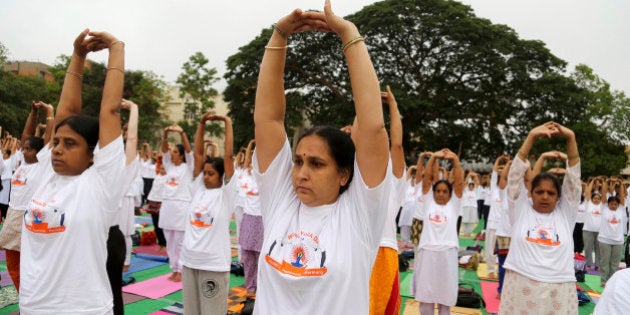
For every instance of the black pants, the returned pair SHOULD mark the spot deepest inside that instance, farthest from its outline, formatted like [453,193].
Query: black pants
[459,224]
[578,241]
[148,184]
[116,251]
[4,209]
[485,212]
[159,233]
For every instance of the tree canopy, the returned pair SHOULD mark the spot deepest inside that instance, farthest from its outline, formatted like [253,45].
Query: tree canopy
[461,82]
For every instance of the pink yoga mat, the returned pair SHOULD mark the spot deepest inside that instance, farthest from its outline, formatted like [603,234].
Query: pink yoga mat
[160,312]
[489,292]
[150,250]
[154,288]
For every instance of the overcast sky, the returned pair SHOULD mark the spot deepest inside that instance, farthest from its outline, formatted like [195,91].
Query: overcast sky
[160,35]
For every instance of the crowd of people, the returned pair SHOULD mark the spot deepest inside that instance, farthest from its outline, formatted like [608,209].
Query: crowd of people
[316,223]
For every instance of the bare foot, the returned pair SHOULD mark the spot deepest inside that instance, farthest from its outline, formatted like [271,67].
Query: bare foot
[126,268]
[162,248]
[498,296]
[171,277]
[177,277]
[491,275]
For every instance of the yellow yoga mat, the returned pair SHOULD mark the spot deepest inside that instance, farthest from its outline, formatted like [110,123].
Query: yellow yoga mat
[482,273]
[412,307]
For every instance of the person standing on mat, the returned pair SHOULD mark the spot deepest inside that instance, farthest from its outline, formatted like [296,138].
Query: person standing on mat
[178,163]
[323,210]
[154,202]
[435,271]
[24,182]
[540,276]
[63,253]
[206,253]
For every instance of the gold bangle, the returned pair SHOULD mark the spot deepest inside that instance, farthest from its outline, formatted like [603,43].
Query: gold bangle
[50,118]
[78,75]
[276,47]
[117,42]
[356,39]
[114,68]
[574,156]
[277,29]
[522,155]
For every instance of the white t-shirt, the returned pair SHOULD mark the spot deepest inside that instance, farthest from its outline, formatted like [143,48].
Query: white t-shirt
[592,217]
[581,212]
[176,194]
[395,201]
[26,179]
[206,244]
[248,192]
[542,243]
[147,168]
[494,201]
[614,299]
[439,231]
[420,202]
[611,226]
[469,198]
[157,189]
[10,165]
[124,217]
[482,192]
[64,236]
[504,228]
[317,260]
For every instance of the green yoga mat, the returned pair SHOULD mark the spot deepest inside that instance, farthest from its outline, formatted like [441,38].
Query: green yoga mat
[405,284]
[593,282]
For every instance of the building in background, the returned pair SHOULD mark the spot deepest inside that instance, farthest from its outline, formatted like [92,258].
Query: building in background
[29,68]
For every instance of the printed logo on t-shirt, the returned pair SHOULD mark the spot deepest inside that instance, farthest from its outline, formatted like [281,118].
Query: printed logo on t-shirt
[43,218]
[543,235]
[438,217]
[172,181]
[298,255]
[201,217]
[596,211]
[19,178]
[613,220]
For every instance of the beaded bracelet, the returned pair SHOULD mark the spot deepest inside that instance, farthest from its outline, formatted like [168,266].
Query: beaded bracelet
[354,40]
[276,47]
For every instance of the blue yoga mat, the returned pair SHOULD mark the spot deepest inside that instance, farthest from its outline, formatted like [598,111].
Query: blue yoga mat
[162,259]
[139,264]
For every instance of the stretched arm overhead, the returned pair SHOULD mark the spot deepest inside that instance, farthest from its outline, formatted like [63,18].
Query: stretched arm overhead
[248,154]
[131,150]
[420,166]
[395,133]
[457,172]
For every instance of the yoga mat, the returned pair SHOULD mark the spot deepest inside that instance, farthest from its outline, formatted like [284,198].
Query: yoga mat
[144,221]
[6,279]
[3,255]
[151,252]
[139,264]
[145,306]
[129,298]
[8,296]
[405,284]
[175,309]
[482,273]
[412,307]
[593,282]
[154,288]
[594,272]
[236,297]
[594,296]
[489,290]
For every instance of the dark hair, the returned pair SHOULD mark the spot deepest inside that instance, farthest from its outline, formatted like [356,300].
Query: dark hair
[340,147]
[445,182]
[36,143]
[613,198]
[85,126]
[180,148]
[547,176]
[217,164]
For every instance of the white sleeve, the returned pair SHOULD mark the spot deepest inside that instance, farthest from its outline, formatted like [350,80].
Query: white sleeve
[108,172]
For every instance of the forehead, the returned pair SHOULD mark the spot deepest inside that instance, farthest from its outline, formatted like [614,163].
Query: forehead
[65,132]
[313,146]
[441,186]
[207,167]
[545,184]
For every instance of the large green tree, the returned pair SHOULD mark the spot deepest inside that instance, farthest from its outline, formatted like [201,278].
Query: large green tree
[196,89]
[460,81]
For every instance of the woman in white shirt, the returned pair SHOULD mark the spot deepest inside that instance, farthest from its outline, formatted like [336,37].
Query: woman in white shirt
[610,235]
[206,254]
[323,210]
[178,163]
[469,204]
[592,219]
[435,272]
[63,250]
[25,180]
[540,277]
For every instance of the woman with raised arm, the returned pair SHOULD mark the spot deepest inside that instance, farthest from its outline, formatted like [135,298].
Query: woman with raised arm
[494,214]
[408,209]
[206,255]
[435,272]
[611,234]
[590,231]
[24,182]
[323,211]
[469,204]
[66,225]
[540,277]
[147,171]
[384,283]
[179,164]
